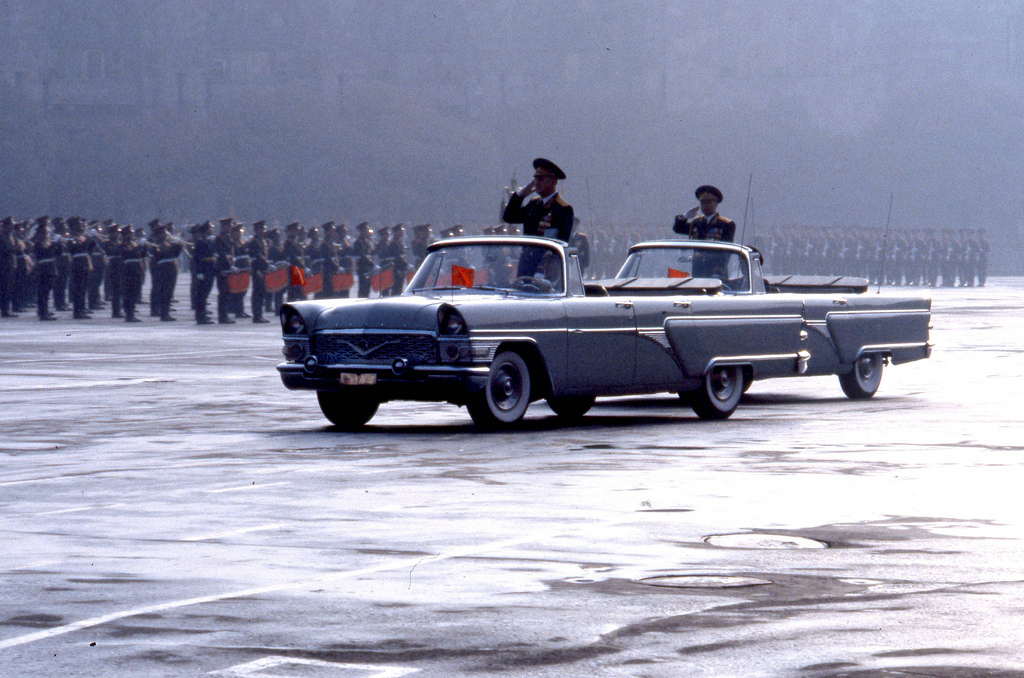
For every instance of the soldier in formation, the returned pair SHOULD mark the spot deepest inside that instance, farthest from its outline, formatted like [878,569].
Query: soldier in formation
[923,257]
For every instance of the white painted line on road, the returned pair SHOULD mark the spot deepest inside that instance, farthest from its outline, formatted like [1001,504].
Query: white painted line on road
[95,507]
[122,382]
[239,488]
[122,357]
[60,511]
[461,552]
[254,669]
[235,533]
[32,566]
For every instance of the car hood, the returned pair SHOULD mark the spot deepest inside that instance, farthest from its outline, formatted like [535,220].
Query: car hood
[393,313]
[419,312]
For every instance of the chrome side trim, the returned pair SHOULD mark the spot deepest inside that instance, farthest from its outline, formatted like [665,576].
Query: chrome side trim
[787,316]
[892,311]
[364,331]
[519,334]
[658,336]
[748,359]
[888,348]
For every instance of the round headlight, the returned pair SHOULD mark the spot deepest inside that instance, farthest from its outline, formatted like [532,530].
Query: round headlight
[455,324]
[450,321]
[293,323]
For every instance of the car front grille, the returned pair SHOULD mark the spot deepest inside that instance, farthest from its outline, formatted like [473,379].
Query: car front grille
[377,348]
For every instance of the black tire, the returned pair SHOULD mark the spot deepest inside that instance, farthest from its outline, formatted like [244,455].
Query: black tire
[862,381]
[718,397]
[571,407]
[347,410]
[506,395]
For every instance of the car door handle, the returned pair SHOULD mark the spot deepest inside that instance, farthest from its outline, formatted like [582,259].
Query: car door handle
[681,304]
[623,304]
[839,300]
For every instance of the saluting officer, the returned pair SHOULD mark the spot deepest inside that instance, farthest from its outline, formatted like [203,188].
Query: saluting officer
[547,214]
[710,225]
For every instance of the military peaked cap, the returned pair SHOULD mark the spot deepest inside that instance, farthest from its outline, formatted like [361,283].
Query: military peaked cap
[709,191]
[545,164]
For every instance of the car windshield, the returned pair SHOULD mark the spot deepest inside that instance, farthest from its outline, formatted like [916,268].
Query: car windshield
[530,269]
[688,262]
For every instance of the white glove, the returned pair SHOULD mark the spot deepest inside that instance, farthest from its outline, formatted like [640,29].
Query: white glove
[691,213]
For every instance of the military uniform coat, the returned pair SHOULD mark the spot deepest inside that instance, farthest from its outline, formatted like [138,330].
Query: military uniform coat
[701,228]
[552,220]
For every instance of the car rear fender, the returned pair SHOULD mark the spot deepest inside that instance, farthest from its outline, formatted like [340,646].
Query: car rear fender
[895,328]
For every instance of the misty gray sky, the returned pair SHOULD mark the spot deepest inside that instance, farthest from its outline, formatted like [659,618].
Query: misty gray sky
[409,111]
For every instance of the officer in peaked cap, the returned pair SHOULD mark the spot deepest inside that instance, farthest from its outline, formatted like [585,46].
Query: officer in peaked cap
[547,214]
[709,225]
[204,270]
[362,255]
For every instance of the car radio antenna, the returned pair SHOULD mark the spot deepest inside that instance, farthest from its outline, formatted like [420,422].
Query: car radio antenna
[885,241]
[743,234]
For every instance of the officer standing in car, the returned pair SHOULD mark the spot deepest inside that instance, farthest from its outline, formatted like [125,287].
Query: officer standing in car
[547,214]
[710,225]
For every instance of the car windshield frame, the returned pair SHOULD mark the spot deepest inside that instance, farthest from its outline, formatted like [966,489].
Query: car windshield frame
[730,265]
[520,266]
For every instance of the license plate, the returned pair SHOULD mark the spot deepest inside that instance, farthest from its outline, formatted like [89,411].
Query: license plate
[356,379]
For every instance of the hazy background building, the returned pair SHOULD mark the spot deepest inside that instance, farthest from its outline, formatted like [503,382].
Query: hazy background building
[409,111]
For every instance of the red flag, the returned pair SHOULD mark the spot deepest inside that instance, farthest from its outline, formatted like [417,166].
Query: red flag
[298,278]
[673,273]
[462,276]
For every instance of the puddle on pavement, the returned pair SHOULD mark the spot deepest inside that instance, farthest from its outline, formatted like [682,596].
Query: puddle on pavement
[703,581]
[755,540]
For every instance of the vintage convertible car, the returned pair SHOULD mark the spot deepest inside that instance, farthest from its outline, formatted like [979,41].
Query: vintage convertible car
[495,323]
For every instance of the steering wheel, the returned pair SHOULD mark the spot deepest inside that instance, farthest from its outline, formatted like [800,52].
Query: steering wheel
[529,283]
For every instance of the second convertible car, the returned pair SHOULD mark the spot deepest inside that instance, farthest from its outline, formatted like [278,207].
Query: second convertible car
[495,323]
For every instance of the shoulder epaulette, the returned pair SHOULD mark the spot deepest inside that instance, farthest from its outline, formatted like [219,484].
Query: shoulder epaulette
[561,201]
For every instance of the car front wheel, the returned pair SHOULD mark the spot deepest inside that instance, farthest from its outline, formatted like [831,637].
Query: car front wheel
[862,381]
[720,393]
[506,395]
[346,410]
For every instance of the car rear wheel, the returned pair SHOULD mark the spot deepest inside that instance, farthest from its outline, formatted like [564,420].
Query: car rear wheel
[720,393]
[506,395]
[862,381]
[571,407]
[347,410]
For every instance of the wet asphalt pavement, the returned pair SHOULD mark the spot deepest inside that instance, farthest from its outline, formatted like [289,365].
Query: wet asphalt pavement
[169,509]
